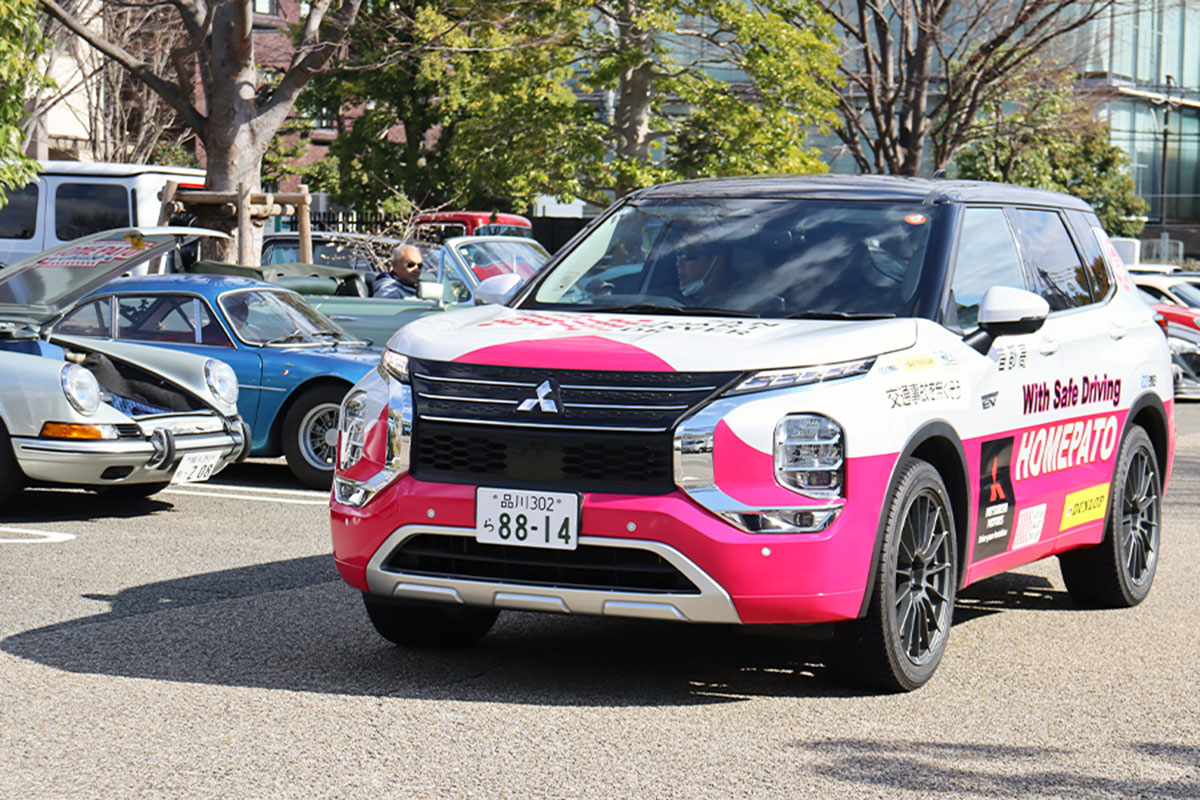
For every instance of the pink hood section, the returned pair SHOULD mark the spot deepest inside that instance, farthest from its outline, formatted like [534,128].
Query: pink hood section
[569,352]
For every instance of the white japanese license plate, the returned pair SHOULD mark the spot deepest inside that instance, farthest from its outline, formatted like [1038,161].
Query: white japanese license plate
[195,467]
[527,518]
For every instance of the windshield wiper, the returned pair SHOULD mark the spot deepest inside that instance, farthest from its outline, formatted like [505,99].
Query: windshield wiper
[841,315]
[658,308]
[294,335]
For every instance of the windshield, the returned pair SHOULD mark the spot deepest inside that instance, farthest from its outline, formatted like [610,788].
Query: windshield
[750,257]
[486,259]
[263,316]
[1189,293]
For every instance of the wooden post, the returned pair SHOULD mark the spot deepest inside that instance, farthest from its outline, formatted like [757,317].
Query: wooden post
[304,225]
[245,236]
[167,196]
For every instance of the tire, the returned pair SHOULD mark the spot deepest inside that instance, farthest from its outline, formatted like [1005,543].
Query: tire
[415,625]
[11,477]
[132,491]
[898,644]
[310,434]
[1118,572]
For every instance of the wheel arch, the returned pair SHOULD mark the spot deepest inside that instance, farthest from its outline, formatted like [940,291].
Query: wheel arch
[1149,412]
[275,439]
[938,444]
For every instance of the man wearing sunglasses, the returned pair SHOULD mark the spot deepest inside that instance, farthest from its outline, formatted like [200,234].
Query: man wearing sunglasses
[402,279]
[704,275]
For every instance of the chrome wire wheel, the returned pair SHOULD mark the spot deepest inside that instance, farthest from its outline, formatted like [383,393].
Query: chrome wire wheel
[318,435]
[1140,517]
[924,576]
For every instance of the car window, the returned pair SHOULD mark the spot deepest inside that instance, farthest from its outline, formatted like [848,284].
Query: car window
[18,217]
[986,257]
[92,319]
[84,208]
[486,259]
[1051,260]
[1097,271]
[1187,293]
[1153,295]
[156,318]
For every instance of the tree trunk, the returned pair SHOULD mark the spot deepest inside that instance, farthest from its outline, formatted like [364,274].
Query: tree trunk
[631,118]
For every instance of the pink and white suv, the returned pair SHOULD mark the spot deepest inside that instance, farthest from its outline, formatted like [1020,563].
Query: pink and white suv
[769,401]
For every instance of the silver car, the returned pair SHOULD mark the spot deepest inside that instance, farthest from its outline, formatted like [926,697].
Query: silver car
[111,415]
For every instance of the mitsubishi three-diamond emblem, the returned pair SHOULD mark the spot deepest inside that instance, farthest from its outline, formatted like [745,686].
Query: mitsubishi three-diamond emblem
[543,401]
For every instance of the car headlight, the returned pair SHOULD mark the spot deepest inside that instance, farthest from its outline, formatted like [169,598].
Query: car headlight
[809,455]
[352,425]
[222,381]
[802,376]
[394,365]
[81,388]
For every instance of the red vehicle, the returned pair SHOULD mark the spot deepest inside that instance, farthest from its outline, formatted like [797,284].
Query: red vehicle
[438,226]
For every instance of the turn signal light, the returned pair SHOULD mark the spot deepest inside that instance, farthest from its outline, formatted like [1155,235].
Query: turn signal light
[68,430]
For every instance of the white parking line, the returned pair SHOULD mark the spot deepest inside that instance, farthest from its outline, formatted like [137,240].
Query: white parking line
[40,537]
[238,496]
[297,492]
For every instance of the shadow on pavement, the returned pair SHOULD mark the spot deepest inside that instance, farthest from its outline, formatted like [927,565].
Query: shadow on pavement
[293,625]
[887,766]
[78,505]
[1011,591]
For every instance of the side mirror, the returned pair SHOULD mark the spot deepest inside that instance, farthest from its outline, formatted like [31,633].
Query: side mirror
[498,289]
[428,290]
[1006,311]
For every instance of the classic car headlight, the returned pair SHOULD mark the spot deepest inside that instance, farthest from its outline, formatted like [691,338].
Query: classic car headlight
[801,376]
[221,380]
[394,365]
[809,454]
[81,388]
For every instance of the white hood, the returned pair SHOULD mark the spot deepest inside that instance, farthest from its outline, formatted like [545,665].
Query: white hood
[555,339]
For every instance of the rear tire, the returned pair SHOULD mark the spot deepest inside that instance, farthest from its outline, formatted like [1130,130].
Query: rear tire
[415,625]
[310,434]
[1118,572]
[898,645]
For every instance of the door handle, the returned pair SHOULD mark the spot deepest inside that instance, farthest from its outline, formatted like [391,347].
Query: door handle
[1048,346]
[1117,331]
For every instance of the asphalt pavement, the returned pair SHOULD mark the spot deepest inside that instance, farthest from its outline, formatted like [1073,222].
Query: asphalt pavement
[199,644]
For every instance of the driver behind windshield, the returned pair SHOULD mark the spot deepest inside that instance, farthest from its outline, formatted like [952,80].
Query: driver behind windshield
[705,277]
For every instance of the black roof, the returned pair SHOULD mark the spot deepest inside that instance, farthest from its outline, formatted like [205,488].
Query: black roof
[864,187]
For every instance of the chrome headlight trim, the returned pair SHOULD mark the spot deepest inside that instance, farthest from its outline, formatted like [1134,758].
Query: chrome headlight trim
[765,380]
[81,388]
[222,381]
[394,365]
[807,444]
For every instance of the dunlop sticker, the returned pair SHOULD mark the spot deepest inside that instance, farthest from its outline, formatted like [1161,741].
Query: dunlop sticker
[1086,505]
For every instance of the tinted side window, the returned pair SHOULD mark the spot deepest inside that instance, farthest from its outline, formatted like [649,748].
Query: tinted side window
[83,208]
[987,257]
[18,218]
[1055,270]
[1097,271]
[90,320]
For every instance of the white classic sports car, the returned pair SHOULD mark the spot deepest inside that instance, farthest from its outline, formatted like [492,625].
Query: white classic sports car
[103,414]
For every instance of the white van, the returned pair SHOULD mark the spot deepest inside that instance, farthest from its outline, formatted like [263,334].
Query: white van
[70,199]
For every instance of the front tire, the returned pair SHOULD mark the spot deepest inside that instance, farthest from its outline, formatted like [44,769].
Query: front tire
[310,434]
[11,477]
[1118,572]
[898,645]
[414,625]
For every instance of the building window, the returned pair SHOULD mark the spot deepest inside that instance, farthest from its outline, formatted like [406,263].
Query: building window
[269,8]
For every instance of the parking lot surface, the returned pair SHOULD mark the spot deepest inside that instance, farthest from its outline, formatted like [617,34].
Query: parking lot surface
[200,644]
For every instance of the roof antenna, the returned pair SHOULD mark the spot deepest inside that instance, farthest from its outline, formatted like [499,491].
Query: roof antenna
[939,173]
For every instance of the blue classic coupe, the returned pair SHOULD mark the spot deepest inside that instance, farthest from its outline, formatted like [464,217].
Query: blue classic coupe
[293,364]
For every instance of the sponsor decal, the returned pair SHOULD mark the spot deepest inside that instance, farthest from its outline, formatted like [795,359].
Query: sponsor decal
[994,522]
[915,219]
[914,363]
[93,254]
[1149,381]
[989,400]
[1012,357]
[1086,505]
[1052,448]
[1040,397]
[1029,526]
[914,394]
[591,322]
[946,359]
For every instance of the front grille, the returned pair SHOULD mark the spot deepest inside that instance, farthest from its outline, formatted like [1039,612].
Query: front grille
[620,569]
[598,431]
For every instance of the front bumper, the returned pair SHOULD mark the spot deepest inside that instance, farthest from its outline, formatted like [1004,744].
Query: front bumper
[115,462]
[739,576]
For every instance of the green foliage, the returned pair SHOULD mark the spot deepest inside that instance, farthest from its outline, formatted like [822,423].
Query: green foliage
[491,104]
[289,145]
[21,45]
[1044,137]
[173,154]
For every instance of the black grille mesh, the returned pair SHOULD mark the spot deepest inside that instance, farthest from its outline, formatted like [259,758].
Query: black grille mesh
[586,567]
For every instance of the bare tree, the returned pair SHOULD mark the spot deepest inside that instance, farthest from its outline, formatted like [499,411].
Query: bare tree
[917,73]
[239,111]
